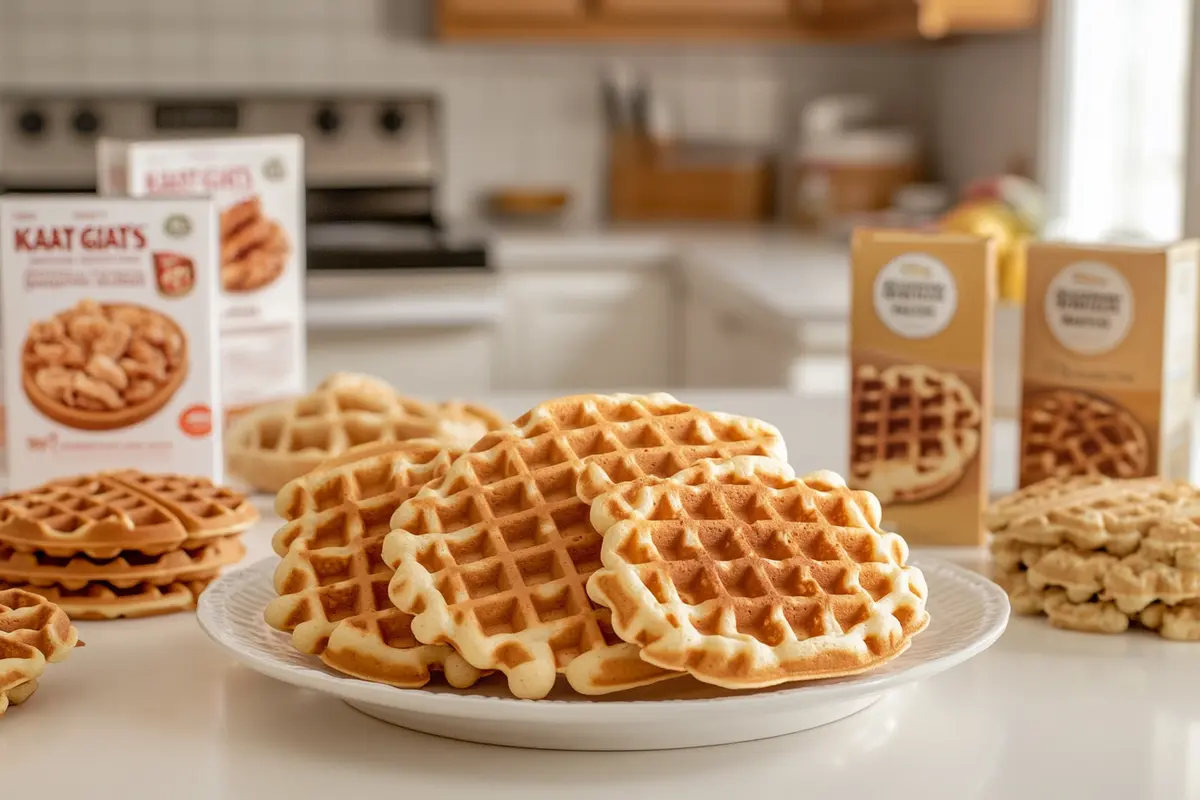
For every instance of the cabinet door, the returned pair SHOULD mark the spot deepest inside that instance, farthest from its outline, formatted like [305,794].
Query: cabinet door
[594,330]
[688,10]
[508,9]
[857,17]
[944,17]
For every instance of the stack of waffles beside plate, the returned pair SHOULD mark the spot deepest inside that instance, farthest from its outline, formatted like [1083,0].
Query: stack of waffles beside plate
[33,632]
[1100,554]
[278,442]
[614,540]
[120,544]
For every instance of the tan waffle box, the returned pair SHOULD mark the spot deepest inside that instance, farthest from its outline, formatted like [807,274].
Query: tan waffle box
[1109,364]
[257,184]
[110,339]
[921,380]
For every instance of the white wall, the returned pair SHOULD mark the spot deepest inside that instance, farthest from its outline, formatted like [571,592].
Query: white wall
[514,113]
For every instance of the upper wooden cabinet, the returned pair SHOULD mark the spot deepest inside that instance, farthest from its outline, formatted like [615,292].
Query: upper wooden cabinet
[691,9]
[678,20]
[533,10]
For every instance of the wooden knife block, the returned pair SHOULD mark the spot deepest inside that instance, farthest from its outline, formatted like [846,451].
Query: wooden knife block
[680,181]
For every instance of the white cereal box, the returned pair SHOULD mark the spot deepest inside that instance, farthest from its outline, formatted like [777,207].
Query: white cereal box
[110,336]
[257,184]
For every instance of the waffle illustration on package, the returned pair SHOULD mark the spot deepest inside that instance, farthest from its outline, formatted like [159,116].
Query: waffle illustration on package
[921,328]
[257,185]
[110,340]
[1109,361]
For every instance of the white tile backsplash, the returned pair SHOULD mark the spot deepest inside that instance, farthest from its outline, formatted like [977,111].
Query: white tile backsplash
[514,113]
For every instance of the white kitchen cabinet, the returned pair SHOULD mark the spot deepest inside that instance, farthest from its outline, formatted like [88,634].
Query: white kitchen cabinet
[603,328]
[433,362]
[724,349]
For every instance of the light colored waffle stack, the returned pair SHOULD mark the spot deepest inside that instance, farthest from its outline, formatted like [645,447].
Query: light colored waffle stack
[281,441]
[33,632]
[914,432]
[1066,433]
[493,558]
[332,582]
[120,544]
[1097,554]
[746,576]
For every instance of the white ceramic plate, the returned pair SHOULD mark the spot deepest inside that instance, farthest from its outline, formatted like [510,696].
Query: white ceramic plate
[968,614]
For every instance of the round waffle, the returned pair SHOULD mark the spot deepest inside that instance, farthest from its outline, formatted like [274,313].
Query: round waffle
[493,557]
[131,568]
[101,515]
[746,576]
[332,582]
[1065,433]
[102,601]
[33,632]
[278,442]
[914,431]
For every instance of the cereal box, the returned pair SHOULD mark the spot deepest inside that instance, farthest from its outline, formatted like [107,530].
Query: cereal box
[921,350]
[258,187]
[110,336]
[1109,361]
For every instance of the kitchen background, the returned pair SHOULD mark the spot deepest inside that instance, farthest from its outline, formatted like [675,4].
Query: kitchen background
[581,280]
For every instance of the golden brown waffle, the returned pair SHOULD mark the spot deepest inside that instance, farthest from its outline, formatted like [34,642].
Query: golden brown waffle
[278,442]
[1180,622]
[102,515]
[332,581]
[1080,573]
[102,601]
[494,557]
[746,576]
[1065,433]
[206,511]
[1091,513]
[1136,581]
[33,632]
[199,562]
[914,431]
[1174,541]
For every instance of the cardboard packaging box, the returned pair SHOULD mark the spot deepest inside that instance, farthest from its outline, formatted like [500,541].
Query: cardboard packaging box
[110,336]
[1109,361]
[258,187]
[920,417]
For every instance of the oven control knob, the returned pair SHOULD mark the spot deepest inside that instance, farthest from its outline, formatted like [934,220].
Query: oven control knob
[31,122]
[391,119]
[85,122]
[327,119]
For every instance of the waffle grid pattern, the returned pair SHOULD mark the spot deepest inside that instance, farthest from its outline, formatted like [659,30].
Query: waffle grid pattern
[915,429]
[32,633]
[746,576]
[1065,433]
[332,582]
[495,557]
[284,440]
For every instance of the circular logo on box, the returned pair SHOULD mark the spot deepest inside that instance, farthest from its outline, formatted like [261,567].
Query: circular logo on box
[1089,307]
[177,226]
[915,296]
[273,170]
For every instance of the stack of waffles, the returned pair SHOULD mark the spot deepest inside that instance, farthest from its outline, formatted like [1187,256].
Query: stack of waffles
[1100,554]
[615,540]
[33,632]
[120,544]
[278,442]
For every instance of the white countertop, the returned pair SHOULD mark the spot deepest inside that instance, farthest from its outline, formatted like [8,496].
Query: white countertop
[150,709]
